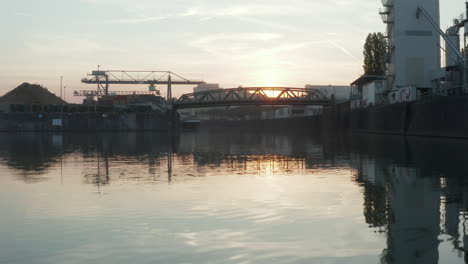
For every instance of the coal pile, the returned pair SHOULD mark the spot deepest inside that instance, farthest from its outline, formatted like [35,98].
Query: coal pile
[32,94]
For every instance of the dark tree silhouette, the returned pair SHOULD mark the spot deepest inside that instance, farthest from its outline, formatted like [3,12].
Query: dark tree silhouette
[375,52]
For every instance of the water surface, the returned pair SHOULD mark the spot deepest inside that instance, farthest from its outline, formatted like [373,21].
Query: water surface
[232,197]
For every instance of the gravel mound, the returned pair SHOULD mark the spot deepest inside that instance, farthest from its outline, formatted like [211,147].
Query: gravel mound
[31,94]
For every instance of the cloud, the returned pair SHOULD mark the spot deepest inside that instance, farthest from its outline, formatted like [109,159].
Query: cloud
[243,10]
[208,12]
[139,20]
[272,25]
[229,44]
[255,45]
[280,48]
[343,49]
[240,36]
[190,12]
[22,14]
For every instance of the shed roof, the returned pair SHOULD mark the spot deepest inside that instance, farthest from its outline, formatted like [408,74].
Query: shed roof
[364,79]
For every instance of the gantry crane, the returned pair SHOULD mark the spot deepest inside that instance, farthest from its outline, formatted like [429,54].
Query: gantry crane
[104,78]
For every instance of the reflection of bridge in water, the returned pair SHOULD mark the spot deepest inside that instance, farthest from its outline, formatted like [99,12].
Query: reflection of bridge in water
[247,96]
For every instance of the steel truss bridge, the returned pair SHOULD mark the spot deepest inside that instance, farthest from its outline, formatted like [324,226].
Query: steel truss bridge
[253,96]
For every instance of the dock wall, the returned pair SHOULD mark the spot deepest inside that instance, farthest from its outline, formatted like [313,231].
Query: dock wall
[86,122]
[441,117]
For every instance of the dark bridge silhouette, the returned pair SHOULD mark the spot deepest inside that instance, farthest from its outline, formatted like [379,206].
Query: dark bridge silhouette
[244,96]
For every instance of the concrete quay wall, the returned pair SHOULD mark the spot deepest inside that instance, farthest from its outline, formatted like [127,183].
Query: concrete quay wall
[86,122]
[441,117]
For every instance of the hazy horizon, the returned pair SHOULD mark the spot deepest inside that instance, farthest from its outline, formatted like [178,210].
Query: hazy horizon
[250,43]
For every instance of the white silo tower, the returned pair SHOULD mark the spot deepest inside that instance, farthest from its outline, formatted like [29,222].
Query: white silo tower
[414,43]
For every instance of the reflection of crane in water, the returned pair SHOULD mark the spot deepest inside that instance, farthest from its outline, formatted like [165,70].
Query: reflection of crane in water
[102,175]
[169,166]
[98,178]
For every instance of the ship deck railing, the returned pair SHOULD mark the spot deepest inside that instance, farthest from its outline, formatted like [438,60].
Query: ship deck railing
[444,92]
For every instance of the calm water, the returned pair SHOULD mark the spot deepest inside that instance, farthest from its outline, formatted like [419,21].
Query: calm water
[232,197]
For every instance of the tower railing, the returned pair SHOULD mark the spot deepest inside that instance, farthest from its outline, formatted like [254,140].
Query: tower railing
[387,18]
[387,3]
[384,11]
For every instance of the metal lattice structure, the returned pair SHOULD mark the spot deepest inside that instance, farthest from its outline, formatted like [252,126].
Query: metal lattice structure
[93,93]
[253,96]
[105,78]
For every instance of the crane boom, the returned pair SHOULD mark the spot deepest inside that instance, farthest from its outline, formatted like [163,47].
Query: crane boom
[104,78]
[423,11]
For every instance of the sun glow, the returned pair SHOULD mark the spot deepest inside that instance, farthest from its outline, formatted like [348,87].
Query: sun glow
[269,80]
[268,77]
[272,94]
[275,93]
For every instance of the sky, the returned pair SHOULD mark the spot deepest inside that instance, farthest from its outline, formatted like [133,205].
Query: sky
[238,42]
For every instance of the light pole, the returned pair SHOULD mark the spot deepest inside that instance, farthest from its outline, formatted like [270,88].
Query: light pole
[61,80]
[64,92]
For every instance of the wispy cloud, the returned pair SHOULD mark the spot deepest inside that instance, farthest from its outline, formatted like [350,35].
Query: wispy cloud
[243,10]
[229,44]
[269,24]
[139,20]
[23,14]
[343,49]
[242,36]
[280,49]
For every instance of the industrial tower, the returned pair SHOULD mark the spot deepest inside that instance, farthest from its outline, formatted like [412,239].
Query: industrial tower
[413,43]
